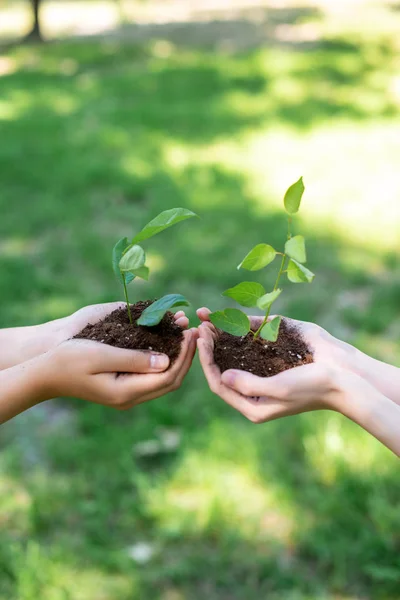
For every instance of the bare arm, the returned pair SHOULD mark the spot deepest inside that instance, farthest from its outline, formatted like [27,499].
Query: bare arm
[94,372]
[321,385]
[374,412]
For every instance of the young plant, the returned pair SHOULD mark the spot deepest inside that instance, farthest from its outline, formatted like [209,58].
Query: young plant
[129,262]
[252,294]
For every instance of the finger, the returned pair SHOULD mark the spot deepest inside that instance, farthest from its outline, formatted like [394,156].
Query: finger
[183,322]
[213,376]
[105,359]
[203,313]
[178,378]
[207,331]
[134,386]
[290,383]
[180,313]
[246,383]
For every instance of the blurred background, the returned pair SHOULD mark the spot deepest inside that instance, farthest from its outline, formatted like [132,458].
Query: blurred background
[129,108]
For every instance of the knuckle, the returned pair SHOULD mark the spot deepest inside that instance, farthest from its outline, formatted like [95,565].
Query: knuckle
[255,418]
[120,401]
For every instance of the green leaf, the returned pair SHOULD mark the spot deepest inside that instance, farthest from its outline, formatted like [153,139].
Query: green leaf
[117,252]
[293,197]
[270,331]
[296,248]
[133,259]
[246,293]
[153,314]
[131,276]
[265,301]
[231,320]
[258,258]
[142,272]
[298,273]
[163,221]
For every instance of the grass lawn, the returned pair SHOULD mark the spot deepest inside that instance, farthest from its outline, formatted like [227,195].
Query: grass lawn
[96,137]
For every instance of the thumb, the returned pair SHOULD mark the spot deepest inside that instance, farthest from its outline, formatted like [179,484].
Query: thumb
[108,359]
[245,383]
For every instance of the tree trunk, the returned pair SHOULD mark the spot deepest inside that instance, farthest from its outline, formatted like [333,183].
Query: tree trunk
[36,32]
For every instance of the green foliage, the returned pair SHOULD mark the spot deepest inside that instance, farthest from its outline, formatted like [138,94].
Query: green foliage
[132,260]
[268,299]
[293,197]
[163,221]
[128,261]
[270,330]
[117,253]
[295,248]
[153,314]
[298,273]
[253,294]
[258,258]
[231,320]
[246,293]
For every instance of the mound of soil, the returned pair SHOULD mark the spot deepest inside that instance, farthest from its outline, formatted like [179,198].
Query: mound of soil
[116,330]
[261,357]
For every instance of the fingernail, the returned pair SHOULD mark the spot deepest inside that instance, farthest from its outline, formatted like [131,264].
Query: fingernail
[159,361]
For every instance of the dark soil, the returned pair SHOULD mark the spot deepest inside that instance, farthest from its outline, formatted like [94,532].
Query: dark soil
[261,357]
[116,330]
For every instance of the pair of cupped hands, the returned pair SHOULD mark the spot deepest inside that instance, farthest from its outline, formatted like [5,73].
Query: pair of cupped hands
[122,378]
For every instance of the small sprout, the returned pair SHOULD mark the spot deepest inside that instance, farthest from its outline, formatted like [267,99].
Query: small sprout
[129,262]
[252,294]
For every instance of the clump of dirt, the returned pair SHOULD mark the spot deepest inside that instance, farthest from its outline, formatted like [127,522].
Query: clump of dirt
[116,330]
[261,357]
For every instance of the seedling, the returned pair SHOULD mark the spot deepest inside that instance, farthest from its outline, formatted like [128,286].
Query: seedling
[252,294]
[129,262]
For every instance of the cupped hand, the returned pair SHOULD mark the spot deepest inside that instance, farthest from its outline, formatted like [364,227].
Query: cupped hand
[309,387]
[68,327]
[113,376]
[326,348]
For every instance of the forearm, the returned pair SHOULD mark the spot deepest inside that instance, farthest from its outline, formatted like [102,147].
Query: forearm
[382,376]
[22,386]
[372,410]
[19,344]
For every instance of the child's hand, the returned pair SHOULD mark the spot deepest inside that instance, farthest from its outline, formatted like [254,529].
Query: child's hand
[89,370]
[113,376]
[20,344]
[326,348]
[262,399]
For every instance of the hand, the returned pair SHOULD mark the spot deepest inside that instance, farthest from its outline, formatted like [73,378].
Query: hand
[68,327]
[260,399]
[113,376]
[326,348]
[20,344]
[90,370]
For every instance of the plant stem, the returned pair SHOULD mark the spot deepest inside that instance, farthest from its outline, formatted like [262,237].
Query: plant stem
[281,271]
[257,333]
[128,307]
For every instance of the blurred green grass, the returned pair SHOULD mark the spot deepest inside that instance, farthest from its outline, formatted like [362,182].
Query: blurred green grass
[96,138]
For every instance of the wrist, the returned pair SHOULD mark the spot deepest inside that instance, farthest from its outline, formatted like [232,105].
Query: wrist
[342,387]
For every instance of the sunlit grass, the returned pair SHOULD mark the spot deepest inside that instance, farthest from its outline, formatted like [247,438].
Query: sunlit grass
[96,139]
